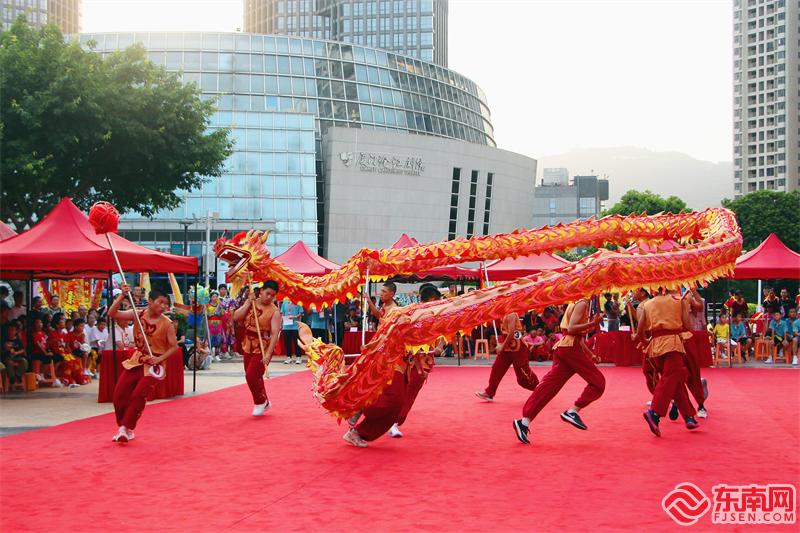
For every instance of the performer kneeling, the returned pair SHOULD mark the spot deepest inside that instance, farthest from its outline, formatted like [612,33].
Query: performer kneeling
[392,407]
[256,355]
[571,356]
[142,371]
[665,317]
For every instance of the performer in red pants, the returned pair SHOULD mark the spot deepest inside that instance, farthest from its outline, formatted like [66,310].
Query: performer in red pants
[665,317]
[269,326]
[139,376]
[571,356]
[391,408]
[511,351]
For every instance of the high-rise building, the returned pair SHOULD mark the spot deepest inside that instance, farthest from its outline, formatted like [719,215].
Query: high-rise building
[66,14]
[765,96]
[555,176]
[413,28]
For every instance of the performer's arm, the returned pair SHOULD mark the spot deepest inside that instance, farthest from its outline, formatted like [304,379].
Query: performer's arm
[575,327]
[172,342]
[509,323]
[276,325]
[114,311]
[241,313]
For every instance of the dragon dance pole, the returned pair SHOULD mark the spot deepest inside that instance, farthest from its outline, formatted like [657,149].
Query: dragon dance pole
[365,309]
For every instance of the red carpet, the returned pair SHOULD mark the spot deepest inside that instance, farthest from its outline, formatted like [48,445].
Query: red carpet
[203,464]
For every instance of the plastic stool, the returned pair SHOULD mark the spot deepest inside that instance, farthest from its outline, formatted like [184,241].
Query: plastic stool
[481,349]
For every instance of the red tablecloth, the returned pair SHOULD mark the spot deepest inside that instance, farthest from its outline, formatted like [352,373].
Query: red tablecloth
[351,343]
[170,386]
[617,347]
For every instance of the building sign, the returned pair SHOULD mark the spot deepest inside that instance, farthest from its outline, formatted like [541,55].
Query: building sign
[384,163]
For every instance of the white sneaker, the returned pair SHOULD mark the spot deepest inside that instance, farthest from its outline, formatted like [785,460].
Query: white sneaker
[87,372]
[121,436]
[298,361]
[395,432]
[794,360]
[768,361]
[702,413]
[287,361]
[39,378]
[218,359]
[129,434]
[261,408]
[355,439]
[57,383]
[649,402]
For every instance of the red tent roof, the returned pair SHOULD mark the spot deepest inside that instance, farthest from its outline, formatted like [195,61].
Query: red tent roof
[771,260]
[302,260]
[5,231]
[64,245]
[405,242]
[513,268]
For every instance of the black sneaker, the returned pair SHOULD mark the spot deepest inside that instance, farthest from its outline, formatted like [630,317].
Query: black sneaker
[574,419]
[521,430]
[691,423]
[673,412]
[652,421]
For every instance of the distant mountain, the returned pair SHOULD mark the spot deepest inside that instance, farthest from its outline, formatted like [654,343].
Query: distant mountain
[699,183]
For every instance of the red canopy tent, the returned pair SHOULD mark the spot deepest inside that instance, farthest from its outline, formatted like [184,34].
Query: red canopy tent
[5,231]
[770,260]
[513,268]
[302,260]
[405,242]
[64,245]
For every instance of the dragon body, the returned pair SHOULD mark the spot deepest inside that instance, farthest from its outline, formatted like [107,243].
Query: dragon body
[710,243]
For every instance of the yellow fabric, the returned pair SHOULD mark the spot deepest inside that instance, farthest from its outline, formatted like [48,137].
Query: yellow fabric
[177,297]
[664,313]
[569,340]
[722,331]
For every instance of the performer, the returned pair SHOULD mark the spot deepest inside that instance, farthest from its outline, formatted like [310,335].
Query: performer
[511,351]
[697,385]
[665,317]
[391,408]
[269,324]
[420,366]
[571,356]
[386,296]
[137,380]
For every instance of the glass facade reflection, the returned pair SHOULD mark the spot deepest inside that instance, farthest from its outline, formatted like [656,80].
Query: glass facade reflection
[63,13]
[279,95]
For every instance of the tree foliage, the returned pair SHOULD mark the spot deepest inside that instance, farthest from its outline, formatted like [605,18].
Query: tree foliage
[763,212]
[646,202]
[119,128]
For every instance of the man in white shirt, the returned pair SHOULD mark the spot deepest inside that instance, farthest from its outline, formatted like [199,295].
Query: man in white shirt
[123,334]
[98,335]
[19,309]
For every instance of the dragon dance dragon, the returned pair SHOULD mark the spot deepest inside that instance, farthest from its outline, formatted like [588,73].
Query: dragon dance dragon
[710,243]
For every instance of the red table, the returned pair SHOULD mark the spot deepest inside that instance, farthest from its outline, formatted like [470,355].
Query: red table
[617,347]
[170,386]
[351,343]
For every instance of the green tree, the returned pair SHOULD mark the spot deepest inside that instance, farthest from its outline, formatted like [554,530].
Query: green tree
[119,128]
[763,212]
[646,202]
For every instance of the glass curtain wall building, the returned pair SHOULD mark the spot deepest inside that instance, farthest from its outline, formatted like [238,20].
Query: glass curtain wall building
[66,14]
[279,95]
[413,28]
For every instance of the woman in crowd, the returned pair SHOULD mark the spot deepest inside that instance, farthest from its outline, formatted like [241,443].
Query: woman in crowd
[216,327]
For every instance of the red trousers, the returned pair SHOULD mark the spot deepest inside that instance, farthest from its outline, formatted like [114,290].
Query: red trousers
[671,385]
[651,376]
[415,381]
[380,416]
[650,373]
[254,374]
[693,381]
[130,396]
[567,361]
[519,359]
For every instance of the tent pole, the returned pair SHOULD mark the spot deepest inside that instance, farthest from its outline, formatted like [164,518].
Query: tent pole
[365,308]
[29,315]
[758,297]
[194,316]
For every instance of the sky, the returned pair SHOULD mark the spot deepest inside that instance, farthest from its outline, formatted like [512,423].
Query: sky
[558,75]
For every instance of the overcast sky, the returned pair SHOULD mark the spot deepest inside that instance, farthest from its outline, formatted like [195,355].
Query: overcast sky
[558,74]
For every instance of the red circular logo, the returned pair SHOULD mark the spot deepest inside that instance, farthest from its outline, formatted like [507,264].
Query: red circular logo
[686,503]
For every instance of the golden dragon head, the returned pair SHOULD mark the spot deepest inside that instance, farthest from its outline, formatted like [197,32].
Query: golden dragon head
[247,256]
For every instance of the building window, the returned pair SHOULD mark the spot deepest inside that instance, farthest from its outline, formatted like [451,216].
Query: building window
[473,196]
[488,205]
[451,234]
